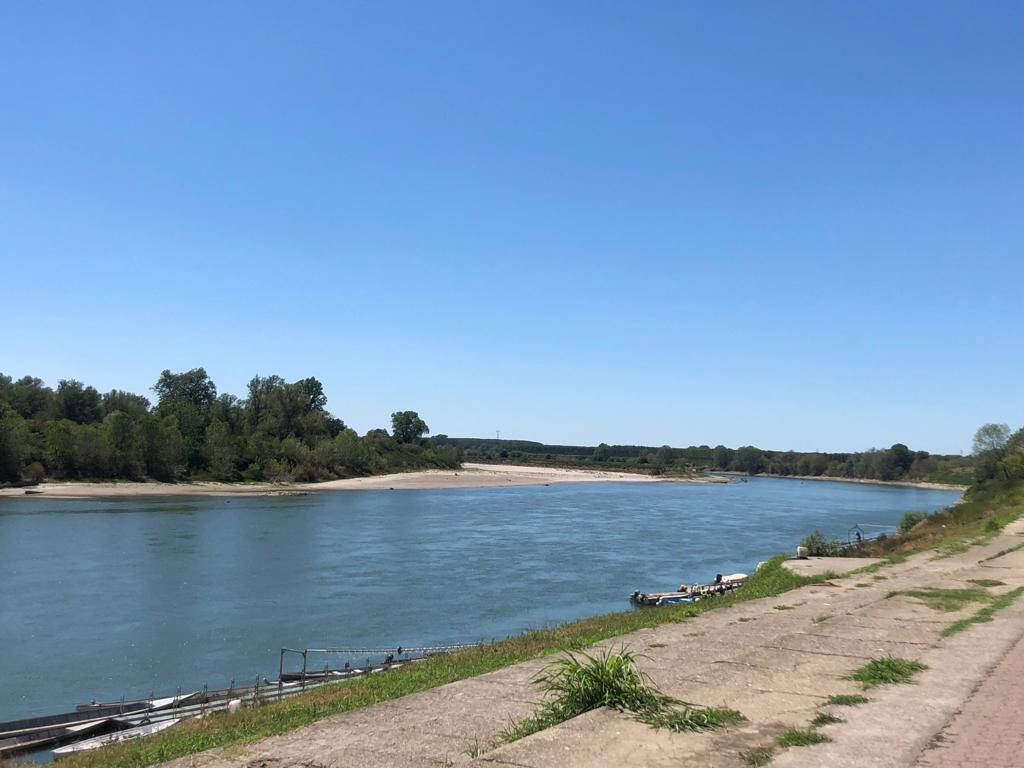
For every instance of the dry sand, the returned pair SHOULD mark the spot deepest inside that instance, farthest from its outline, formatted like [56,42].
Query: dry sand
[469,476]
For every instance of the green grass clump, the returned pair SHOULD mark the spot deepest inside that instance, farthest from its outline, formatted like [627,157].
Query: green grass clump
[887,671]
[985,614]
[987,582]
[783,607]
[800,737]
[948,600]
[758,756]
[847,699]
[825,718]
[578,683]
[1006,551]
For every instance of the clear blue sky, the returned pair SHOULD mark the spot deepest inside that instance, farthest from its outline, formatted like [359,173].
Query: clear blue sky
[797,225]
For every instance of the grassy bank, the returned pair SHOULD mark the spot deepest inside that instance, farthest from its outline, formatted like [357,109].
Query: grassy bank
[981,516]
[224,729]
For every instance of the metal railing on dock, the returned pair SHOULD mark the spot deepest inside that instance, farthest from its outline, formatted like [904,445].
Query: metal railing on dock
[393,655]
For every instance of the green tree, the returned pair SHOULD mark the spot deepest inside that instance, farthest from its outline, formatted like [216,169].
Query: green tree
[162,446]
[59,440]
[30,397]
[221,452]
[13,444]
[78,403]
[92,450]
[602,453]
[408,427]
[124,441]
[136,406]
[749,459]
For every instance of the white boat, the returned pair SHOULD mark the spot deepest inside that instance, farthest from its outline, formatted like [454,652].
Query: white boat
[113,738]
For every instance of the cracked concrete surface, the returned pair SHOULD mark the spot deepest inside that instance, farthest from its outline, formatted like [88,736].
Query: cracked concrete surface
[777,667]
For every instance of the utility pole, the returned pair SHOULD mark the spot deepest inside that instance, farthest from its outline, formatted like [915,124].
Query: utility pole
[497,434]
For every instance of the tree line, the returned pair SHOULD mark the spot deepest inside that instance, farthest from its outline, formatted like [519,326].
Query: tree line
[897,462]
[280,432]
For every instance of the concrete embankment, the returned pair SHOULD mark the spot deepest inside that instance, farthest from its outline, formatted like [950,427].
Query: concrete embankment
[776,660]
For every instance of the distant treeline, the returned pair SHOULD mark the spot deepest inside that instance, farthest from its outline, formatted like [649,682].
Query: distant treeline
[895,463]
[281,431]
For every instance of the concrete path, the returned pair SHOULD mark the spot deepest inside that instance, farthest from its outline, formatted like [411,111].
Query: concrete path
[775,660]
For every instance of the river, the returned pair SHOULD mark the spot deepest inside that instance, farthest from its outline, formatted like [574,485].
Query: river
[104,598]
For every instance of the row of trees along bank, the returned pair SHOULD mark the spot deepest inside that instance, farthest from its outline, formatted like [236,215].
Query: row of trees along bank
[280,432]
[897,462]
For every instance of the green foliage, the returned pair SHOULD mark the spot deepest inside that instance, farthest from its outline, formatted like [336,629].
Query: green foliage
[818,545]
[985,614]
[578,683]
[758,756]
[910,519]
[987,582]
[887,671]
[78,403]
[800,737]
[895,463]
[825,718]
[948,600]
[408,427]
[846,699]
[281,433]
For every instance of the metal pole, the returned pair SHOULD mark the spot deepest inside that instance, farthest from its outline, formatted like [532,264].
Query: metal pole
[280,672]
[304,669]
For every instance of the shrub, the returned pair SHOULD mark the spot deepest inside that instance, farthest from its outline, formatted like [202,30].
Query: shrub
[910,519]
[820,546]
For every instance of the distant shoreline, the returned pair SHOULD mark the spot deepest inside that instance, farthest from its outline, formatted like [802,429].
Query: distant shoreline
[861,480]
[469,476]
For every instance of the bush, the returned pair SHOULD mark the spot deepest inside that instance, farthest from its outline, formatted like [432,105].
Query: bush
[910,519]
[34,472]
[820,546]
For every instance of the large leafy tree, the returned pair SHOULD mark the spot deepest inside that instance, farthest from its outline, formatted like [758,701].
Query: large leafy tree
[78,403]
[408,427]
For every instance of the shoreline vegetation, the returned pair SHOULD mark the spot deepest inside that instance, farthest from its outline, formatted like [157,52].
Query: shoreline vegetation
[281,433]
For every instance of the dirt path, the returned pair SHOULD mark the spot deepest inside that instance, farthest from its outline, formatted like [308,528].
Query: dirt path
[775,660]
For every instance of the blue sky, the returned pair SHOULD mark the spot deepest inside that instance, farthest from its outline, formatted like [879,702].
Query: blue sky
[797,225]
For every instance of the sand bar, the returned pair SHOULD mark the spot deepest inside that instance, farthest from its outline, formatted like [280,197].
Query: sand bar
[469,476]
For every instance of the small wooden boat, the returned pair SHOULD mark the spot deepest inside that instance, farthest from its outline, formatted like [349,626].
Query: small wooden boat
[691,593]
[115,737]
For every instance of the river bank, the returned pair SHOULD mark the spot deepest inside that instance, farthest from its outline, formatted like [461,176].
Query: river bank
[469,476]
[860,480]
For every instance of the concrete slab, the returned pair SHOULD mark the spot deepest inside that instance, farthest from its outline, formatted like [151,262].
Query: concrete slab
[815,566]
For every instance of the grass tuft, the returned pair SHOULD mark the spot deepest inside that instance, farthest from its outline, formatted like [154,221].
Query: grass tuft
[847,700]
[825,718]
[758,756]
[578,683]
[887,671]
[987,582]
[985,614]
[800,737]
[948,600]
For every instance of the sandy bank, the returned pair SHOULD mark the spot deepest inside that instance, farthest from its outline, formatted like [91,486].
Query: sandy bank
[469,476]
[862,481]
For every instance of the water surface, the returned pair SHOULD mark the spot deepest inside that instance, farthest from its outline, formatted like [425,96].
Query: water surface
[105,598]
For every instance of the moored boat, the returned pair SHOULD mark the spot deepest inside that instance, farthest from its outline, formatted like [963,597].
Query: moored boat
[691,593]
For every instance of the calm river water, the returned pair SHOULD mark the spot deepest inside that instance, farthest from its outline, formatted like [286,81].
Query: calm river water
[100,599]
